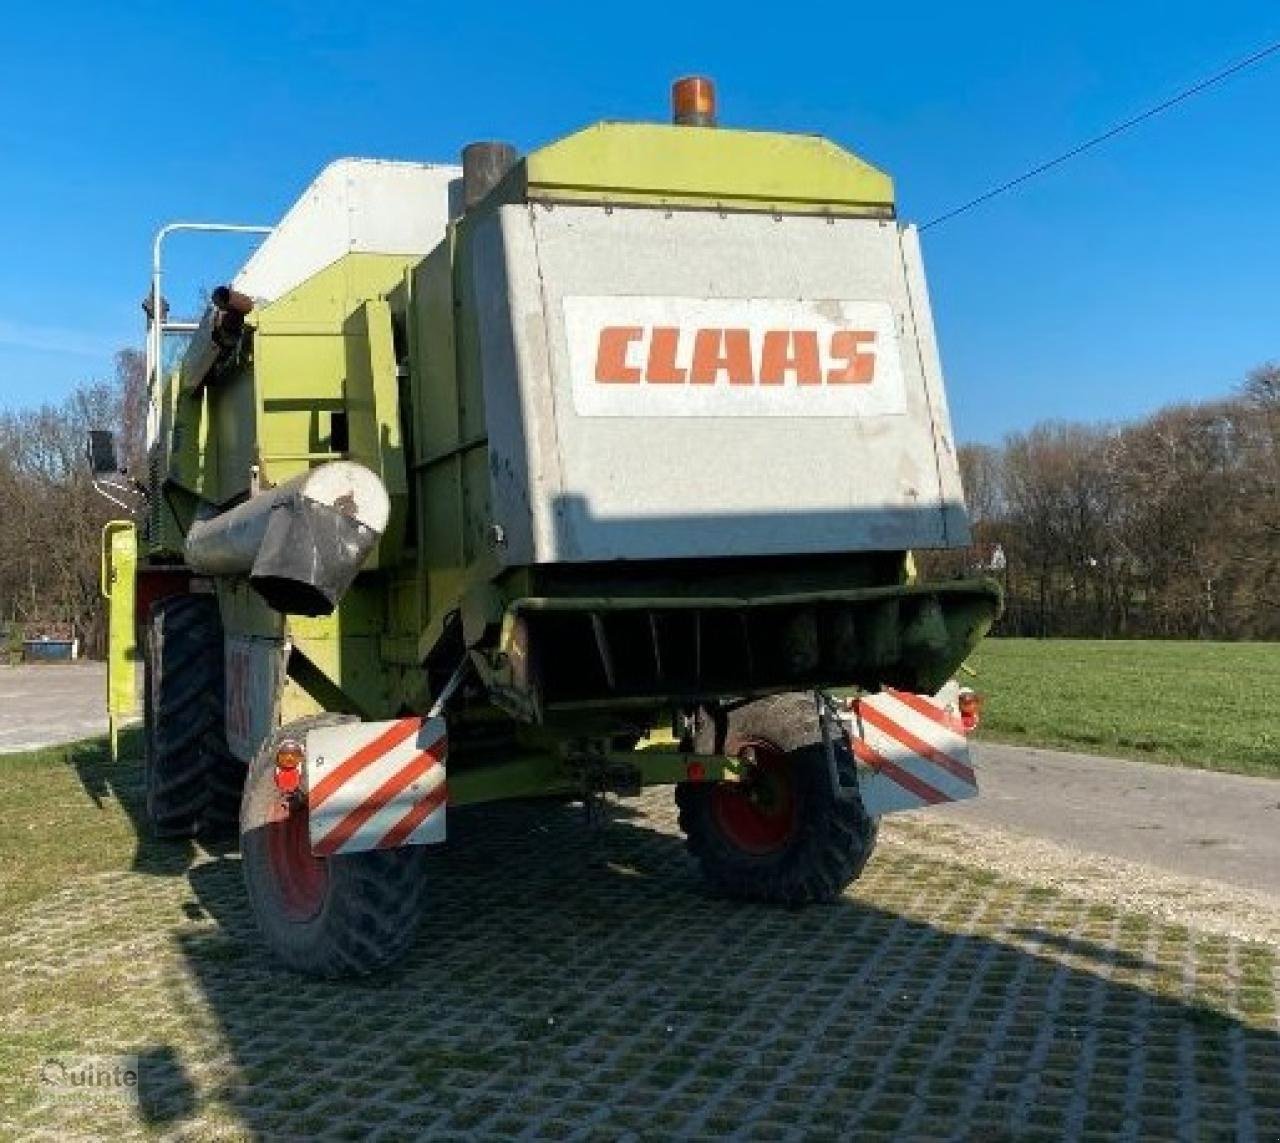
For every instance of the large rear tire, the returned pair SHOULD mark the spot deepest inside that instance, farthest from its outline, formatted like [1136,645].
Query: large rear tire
[348,915]
[192,780]
[781,834]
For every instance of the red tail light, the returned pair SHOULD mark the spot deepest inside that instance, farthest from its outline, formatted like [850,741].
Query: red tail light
[289,758]
[970,704]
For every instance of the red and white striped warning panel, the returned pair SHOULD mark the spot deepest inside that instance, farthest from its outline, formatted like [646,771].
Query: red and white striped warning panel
[376,785]
[911,749]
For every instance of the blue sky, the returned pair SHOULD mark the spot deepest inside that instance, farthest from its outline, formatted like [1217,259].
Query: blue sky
[1140,274]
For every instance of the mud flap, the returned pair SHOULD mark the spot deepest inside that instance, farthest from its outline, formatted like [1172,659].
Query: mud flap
[911,750]
[376,785]
[255,673]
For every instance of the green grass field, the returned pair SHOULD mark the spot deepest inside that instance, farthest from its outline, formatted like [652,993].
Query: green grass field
[1215,705]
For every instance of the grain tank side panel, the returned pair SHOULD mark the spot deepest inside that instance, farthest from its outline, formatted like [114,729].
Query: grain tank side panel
[440,447]
[526,481]
[955,518]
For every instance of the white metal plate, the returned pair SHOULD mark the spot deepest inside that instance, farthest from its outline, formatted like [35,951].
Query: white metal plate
[671,356]
[354,206]
[911,749]
[580,477]
[376,785]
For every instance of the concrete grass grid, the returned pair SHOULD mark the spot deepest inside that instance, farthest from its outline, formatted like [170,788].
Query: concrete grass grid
[576,984]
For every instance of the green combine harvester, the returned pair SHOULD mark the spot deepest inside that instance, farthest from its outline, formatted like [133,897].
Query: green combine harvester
[547,477]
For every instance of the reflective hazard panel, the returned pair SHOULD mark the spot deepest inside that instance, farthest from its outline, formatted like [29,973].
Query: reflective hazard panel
[911,750]
[376,785]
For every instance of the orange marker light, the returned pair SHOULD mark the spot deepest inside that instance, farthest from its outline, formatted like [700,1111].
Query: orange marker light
[290,755]
[693,101]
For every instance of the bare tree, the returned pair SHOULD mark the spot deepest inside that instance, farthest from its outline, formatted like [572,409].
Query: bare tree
[1169,526]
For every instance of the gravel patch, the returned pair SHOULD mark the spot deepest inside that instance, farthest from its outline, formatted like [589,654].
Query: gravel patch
[1198,903]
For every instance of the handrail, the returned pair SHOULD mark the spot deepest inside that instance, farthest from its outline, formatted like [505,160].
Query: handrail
[159,327]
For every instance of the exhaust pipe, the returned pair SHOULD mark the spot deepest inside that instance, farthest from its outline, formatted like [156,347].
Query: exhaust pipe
[484,166]
[231,301]
[300,543]
[230,308]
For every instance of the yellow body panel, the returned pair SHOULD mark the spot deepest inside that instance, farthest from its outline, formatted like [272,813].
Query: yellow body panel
[697,167]
[118,576]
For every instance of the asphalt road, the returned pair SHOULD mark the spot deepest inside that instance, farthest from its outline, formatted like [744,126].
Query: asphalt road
[1193,822]
[48,704]
[1224,827]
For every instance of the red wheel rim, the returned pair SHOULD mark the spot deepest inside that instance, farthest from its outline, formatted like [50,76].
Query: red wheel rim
[758,814]
[301,879]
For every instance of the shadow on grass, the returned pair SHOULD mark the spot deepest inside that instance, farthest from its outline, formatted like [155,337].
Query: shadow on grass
[1100,955]
[575,983]
[123,782]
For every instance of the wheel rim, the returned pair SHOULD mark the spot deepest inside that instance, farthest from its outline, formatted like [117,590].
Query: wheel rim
[758,814]
[301,879]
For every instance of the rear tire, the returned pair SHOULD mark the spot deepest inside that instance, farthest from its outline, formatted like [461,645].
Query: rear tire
[781,834]
[192,780]
[348,915]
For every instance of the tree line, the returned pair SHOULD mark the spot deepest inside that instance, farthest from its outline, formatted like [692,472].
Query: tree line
[53,518]
[1166,527]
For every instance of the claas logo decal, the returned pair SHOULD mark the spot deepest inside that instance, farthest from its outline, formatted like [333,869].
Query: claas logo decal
[732,357]
[633,354]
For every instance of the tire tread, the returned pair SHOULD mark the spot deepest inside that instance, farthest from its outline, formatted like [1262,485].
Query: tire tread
[193,781]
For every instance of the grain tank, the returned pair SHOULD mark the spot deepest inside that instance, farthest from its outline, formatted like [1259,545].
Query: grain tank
[565,474]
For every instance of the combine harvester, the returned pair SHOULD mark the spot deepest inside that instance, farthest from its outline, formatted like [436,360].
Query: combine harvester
[560,475]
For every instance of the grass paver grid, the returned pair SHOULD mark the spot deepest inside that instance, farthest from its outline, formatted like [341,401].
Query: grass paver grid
[579,985]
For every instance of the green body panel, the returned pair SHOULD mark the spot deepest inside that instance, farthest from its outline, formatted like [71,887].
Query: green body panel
[693,167]
[540,775]
[324,350]
[375,358]
[912,636]
[321,364]
[441,439]
[119,586]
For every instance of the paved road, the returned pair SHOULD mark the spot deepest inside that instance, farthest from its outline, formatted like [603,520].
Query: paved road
[1194,822]
[45,705]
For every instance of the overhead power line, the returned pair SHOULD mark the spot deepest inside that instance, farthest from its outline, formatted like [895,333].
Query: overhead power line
[1150,113]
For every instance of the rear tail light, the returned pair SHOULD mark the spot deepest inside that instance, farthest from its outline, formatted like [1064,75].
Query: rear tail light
[289,758]
[970,704]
